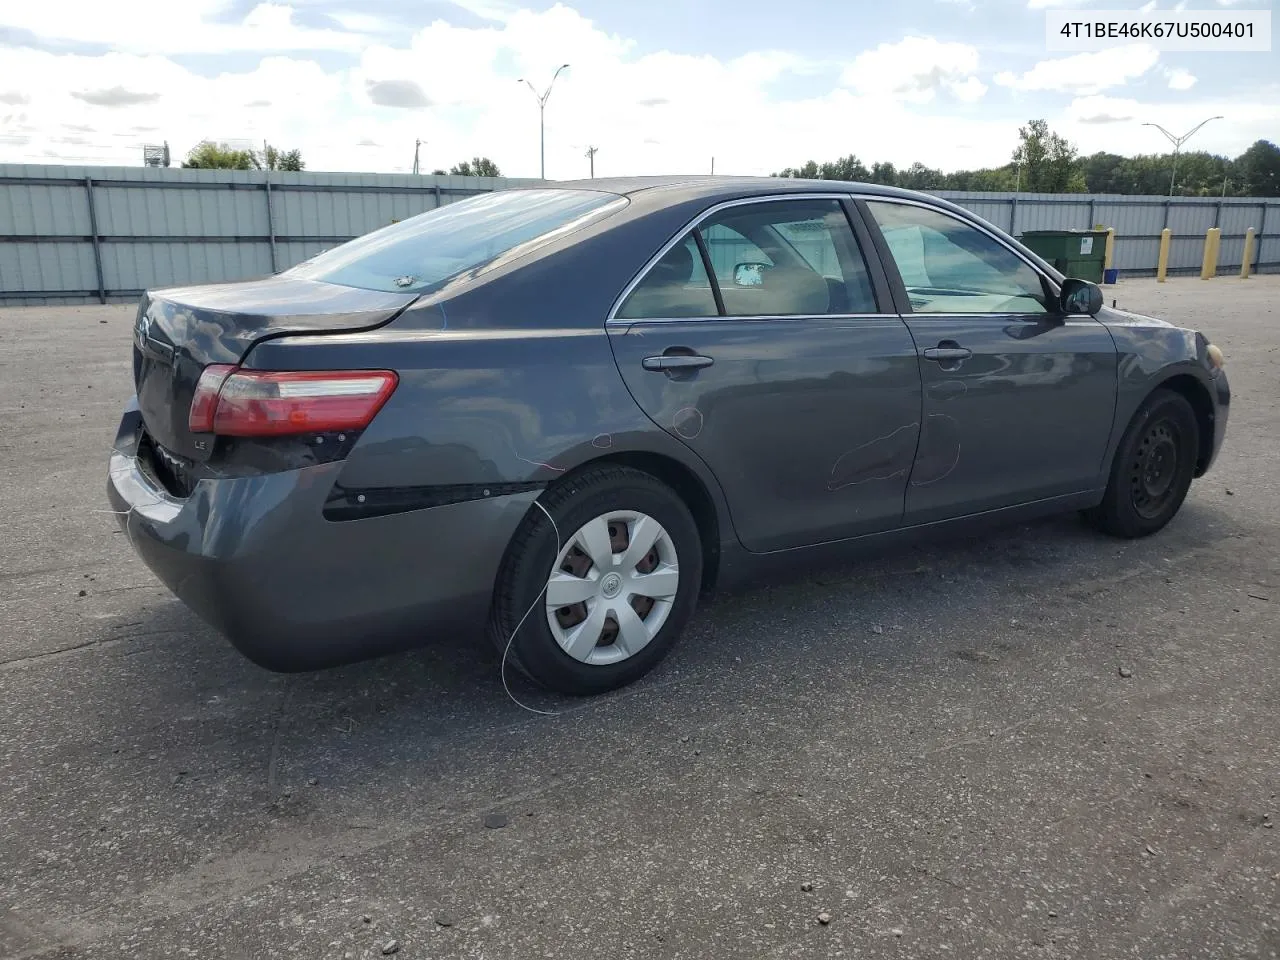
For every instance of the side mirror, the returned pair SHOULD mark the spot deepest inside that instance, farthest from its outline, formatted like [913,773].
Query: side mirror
[1080,296]
[749,274]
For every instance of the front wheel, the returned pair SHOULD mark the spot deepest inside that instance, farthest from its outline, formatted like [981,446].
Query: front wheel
[1153,468]
[606,592]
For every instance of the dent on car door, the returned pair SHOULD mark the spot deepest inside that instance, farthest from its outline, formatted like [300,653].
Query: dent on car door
[757,340]
[1019,399]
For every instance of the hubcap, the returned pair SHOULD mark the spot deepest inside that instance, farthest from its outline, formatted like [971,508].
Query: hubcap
[612,587]
[1152,479]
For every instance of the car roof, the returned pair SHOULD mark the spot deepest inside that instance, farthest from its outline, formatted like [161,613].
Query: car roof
[677,188]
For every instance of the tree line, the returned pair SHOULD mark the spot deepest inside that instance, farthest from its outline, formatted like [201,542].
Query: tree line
[208,155]
[1045,162]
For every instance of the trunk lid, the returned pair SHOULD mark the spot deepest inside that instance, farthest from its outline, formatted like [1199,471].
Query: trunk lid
[180,331]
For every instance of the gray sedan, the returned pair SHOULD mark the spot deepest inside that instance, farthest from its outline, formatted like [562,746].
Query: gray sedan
[568,412]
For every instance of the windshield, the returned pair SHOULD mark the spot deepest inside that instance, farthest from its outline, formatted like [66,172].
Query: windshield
[425,251]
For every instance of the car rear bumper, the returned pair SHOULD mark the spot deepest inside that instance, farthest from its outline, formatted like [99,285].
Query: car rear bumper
[254,557]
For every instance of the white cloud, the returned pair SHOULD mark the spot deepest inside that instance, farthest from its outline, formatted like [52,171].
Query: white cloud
[184,26]
[1180,79]
[1085,73]
[1102,110]
[646,111]
[969,90]
[915,69]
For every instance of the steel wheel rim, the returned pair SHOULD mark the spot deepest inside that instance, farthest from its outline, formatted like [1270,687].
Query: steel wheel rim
[1154,472]
[612,587]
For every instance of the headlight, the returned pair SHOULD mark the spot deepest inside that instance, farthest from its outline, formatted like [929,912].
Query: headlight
[1214,356]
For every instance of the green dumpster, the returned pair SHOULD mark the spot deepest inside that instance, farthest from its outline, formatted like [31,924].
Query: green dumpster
[1077,253]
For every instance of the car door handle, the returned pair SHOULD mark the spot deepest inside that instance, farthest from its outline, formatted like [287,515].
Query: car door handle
[947,354]
[677,362]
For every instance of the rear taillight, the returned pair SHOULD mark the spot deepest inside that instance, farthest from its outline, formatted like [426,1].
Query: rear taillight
[205,401]
[252,403]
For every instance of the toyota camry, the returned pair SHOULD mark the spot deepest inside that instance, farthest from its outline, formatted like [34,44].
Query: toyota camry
[561,415]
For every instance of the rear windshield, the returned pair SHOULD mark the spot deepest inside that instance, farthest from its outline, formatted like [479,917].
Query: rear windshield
[423,252]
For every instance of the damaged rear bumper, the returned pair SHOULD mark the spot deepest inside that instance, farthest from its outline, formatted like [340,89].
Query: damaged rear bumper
[255,557]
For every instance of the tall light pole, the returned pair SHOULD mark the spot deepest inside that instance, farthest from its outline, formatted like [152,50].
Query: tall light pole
[1177,145]
[542,99]
[591,156]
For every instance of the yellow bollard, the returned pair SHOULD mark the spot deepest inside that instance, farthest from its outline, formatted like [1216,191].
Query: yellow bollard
[1247,260]
[1110,251]
[1209,266]
[1162,264]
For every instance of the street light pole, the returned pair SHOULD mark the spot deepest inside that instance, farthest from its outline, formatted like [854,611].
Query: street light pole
[542,99]
[1177,145]
[591,156]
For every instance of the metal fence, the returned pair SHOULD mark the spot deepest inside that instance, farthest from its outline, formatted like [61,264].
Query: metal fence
[1138,221]
[84,234]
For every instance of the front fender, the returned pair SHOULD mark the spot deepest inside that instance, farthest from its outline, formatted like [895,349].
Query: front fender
[1152,353]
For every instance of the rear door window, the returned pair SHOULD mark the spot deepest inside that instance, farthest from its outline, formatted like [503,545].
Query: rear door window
[788,258]
[676,287]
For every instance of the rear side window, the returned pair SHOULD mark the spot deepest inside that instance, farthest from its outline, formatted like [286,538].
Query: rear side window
[677,286]
[423,252]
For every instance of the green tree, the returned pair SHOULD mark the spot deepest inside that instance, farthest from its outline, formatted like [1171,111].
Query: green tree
[806,171]
[1259,170]
[919,177]
[208,155]
[848,168]
[883,173]
[270,158]
[476,167]
[1047,159]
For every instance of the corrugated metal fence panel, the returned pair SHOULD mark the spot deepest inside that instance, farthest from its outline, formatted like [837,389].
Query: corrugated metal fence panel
[290,253]
[1190,219]
[1239,217]
[145,212]
[1050,214]
[46,266]
[137,208]
[138,266]
[1269,254]
[1230,254]
[1136,253]
[30,209]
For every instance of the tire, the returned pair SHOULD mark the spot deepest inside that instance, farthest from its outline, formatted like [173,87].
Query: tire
[627,504]
[1152,470]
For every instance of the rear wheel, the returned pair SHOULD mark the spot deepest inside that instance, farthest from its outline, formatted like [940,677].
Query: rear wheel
[1153,468]
[606,599]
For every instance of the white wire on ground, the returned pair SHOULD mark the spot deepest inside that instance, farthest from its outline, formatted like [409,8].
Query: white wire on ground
[502,668]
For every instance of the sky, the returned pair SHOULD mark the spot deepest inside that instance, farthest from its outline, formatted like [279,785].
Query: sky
[660,86]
